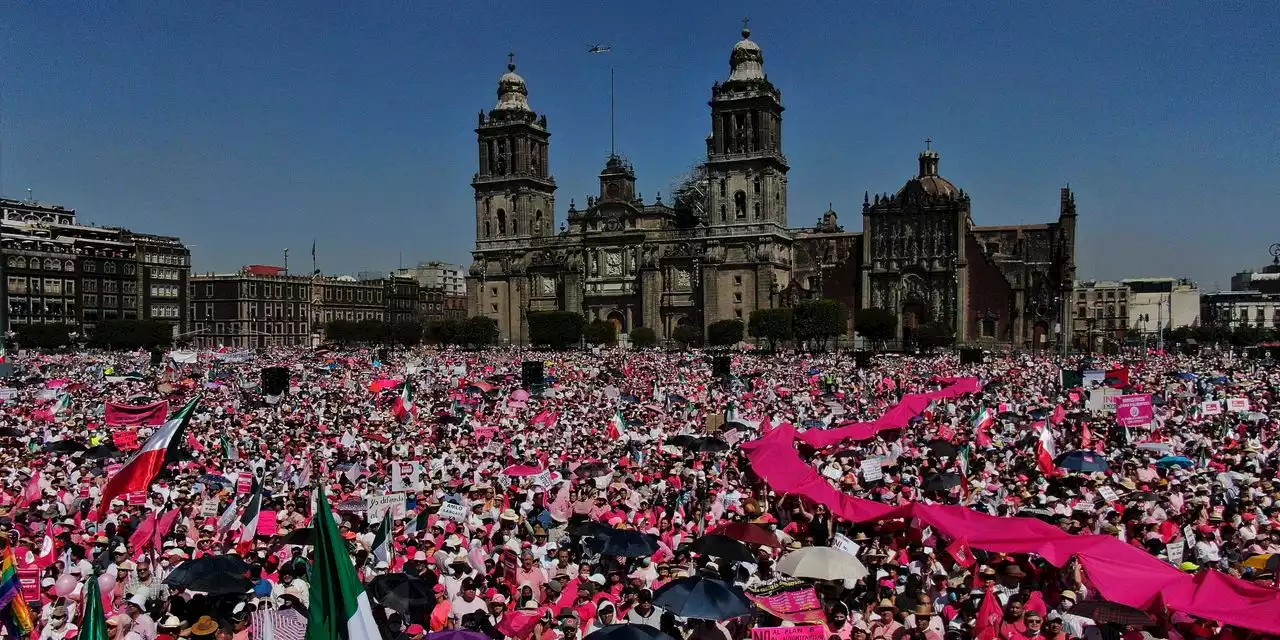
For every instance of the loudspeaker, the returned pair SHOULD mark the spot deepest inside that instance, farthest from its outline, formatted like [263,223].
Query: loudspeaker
[721,366]
[275,380]
[382,355]
[531,373]
[970,355]
[156,358]
[862,359]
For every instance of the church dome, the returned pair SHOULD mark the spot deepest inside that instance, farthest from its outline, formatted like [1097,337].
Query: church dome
[746,62]
[513,94]
[928,181]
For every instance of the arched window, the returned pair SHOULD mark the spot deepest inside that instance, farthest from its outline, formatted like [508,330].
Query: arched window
[722,214]
[486,228]
[22,263]
[537,222]
[756,208]
[515,226]
[502,222]
[740,205]
[13,262]
[723,187]
[69,266]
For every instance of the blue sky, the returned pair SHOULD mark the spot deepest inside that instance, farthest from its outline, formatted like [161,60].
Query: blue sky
[247,127]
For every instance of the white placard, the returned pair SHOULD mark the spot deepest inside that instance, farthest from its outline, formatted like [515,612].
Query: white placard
[1108,494]
[209,508]
[1174,552]
[1189,533]
[452,511]
[380,506]
[1238,405]
[842,542]
[543,479]
[1211,408]
[832,471]
[871,470]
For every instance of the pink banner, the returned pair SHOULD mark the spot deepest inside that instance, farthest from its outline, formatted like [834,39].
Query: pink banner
[790,601]
[1121,573]
[1134,410]
[805,632]
[268,525]
[897,417]
[123,415]
[125,439]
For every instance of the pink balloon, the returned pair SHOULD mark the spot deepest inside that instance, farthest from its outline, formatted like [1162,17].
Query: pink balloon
[106,582]
[64,585]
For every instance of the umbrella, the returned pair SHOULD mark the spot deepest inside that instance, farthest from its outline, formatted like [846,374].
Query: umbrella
[627,632]
[1007,415]
[635,422]
[709,444]
[193,570]
[401,592]
[1175,461]
[520,471]
[592,470]
[1187,375]
[210,478]
[214,584]
[941,482]
[1256,417]
[1103,612]
[1141,496]
[675,399]
[10,432]
[684,441]
[1265,562]
[1082,460]
[722,547]
[747,532]
[942,448]
[65,446]
[625,543]
[588,528]
[813,424]
[702,598]
[449,419]
[457,634]
[630,397]
[822,563]
[305,537]
[1158,447]
[102,451]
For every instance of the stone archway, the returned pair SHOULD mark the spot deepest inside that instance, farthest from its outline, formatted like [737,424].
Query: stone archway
[914,313]
[618,320]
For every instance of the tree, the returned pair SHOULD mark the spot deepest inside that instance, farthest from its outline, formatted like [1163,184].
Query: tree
[772,325]
[132,334]
[687,335]
[442,332]
[600,332]
[933,335]
[643,338]
[42,336]
[724,333]
[555,329]
[877,325]
[819,320]
[405,333]
[478,331]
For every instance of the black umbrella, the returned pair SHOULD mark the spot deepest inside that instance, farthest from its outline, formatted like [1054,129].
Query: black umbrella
[683,441]
[449,419]
[941,482]
[942,448]
[702,599]
[588,528]
[1007,415]
[65,446]
[740,426]
[10,432]
[1083,460]
[1103,612]
[722,547]
[592,470]
[191,571]
[627,632]
[625,543]
[103,451]
[709,444]
[226,584]
[303,537]
[400,592]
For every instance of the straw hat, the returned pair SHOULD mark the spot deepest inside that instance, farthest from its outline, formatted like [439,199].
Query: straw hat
[205,626]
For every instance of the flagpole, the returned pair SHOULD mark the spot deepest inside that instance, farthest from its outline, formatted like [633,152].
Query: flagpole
[612,146]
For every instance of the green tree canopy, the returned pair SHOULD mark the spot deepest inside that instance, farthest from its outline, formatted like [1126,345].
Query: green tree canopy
[643,338]
[725,333]
[555,329]
[877,325]
[774,325]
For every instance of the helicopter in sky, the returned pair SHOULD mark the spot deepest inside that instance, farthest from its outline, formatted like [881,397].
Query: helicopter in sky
[599,48]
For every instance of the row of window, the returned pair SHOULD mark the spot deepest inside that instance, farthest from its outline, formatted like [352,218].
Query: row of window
[330,316]
[165,258]
[165,274]
[40,307]
[127,268]
[52,286]
[49,264]
[250,328]
[164,311]
[515,224]
[164,291]
[109,300]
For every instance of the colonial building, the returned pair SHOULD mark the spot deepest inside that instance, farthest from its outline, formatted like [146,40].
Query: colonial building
[60,271]
[661,265]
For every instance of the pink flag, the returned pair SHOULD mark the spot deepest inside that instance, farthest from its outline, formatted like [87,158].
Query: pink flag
[32,493]
[1059,414]
[164,526]
[141,538]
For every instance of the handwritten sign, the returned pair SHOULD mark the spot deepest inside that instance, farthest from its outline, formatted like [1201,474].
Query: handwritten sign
[543,479]
[1211,408]
[1108,494]
[452,511]
[380,506]
[843,543]
[125,439]
[1174,551]
[832,471]
[244,484]
[209,508]
[1237,405]
[806,632]
[871,470]
[1190,534]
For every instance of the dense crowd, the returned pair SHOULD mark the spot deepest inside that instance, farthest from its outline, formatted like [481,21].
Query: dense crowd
[625,490]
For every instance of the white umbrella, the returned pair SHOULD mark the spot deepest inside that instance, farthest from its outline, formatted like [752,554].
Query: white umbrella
[822,563]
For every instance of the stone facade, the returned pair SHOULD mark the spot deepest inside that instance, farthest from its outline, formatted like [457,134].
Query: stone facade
[727,249]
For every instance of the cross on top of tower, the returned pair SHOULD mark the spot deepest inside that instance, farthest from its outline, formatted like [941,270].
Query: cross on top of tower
[746,32]
[928,144]
[511,61]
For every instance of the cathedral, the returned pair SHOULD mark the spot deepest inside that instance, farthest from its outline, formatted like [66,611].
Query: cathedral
[725,248]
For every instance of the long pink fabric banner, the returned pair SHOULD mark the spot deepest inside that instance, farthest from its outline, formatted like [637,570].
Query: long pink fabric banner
[1120,572]
[896,417]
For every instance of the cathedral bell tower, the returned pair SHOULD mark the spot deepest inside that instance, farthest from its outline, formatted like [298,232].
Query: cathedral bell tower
[515,193]
[745,164]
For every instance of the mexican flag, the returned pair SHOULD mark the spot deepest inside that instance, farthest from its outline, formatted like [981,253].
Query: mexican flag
[93,622]
[382,540]
[981,422]
[1046,451]
[63,404]
[339,608]
[159,450]
[418,523]
[249,520]
[405,409]
[617,426]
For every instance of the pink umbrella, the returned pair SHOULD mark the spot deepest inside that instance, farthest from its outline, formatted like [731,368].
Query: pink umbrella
[520,471]
[378,386]
[57,384]
[520,395]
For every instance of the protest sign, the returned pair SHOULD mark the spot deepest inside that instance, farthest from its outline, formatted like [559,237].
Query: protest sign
[871,470]
[843,543]
[1174,552]
[806,632]
[789,600]
[832,471]
[125,439]
[268,525]
[380,506]
[543,479]
[137,498]
[244,484]
[1134,410]
[1237,405]
[1108,494]
[452,511]
[1211,408]
[209,508]
[29,577]
[509,565]
[112,469]
[1103,399]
